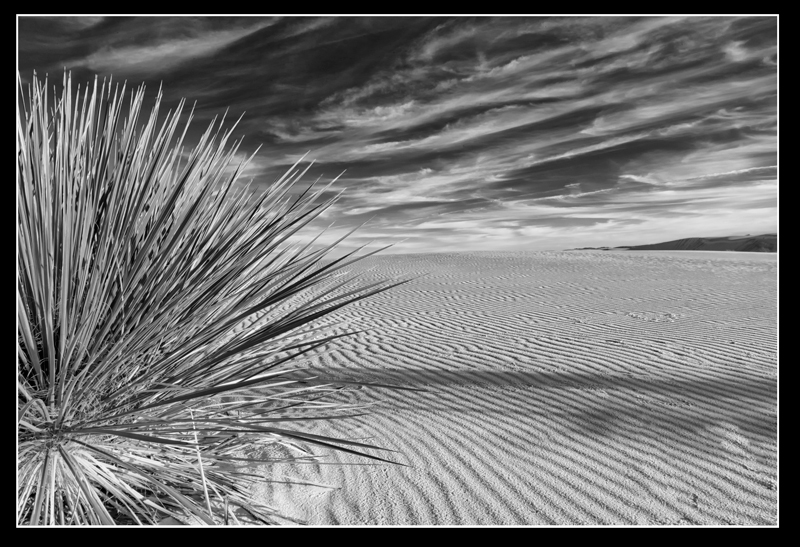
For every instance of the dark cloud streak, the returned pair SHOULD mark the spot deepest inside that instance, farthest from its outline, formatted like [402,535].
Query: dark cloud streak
[510,132]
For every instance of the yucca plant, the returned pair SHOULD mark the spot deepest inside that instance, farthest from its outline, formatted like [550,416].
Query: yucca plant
[160,309]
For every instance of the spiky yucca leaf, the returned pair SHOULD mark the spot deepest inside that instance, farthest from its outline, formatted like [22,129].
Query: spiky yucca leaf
[152,289]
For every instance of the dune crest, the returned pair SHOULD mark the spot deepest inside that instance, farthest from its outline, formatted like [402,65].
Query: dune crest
[766,243]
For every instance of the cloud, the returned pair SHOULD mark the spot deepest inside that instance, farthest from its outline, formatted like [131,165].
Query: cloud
[473,132]
[751,170]
[77,23]
[160,55]
[647,179]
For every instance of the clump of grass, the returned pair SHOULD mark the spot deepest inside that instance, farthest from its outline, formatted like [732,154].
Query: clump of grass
[159,309]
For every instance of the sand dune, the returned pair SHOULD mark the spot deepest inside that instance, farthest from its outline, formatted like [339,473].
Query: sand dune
[561,388]
[763,243]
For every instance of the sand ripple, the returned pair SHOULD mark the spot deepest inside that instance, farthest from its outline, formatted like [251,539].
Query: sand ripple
[562,388]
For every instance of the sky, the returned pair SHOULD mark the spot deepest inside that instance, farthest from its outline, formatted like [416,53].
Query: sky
[471,133]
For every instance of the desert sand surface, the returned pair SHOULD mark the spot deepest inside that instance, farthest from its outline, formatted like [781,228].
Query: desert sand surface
[561,388]
[737,256]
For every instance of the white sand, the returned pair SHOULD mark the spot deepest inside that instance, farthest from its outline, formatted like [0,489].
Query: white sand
[701,255]
[563,388]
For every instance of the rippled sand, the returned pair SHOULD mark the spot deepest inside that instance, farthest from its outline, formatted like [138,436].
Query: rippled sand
[561,388]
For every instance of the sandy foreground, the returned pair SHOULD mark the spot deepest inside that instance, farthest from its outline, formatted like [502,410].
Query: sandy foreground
[582,387]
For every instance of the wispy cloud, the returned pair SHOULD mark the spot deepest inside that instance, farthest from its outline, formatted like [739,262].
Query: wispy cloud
[509,132]
[161,53]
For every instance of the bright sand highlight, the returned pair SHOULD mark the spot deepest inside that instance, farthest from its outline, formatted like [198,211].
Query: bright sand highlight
[562,388]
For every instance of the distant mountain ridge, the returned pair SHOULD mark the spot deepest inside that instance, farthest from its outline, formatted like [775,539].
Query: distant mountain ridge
[765,243]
